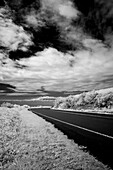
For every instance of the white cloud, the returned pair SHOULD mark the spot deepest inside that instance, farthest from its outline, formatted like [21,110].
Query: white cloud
[63,7]
[12,36]
[51,69]
[33,19]
[68,11]
[49,63]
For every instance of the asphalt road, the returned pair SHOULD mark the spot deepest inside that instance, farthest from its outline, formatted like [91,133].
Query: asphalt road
[95,131]
[98,124]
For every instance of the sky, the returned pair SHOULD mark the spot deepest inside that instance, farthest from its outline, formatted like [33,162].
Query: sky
[60,45]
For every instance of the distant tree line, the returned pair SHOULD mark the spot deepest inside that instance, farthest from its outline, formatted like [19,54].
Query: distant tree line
[86,100]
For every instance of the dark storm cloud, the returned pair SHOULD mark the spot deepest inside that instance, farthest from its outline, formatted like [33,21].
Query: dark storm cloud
[60,25]
[50,24]
[7,88]
[19,4]
[96,18]
[2,3]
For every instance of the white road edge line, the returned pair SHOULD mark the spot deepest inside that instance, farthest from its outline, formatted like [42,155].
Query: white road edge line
[98,133]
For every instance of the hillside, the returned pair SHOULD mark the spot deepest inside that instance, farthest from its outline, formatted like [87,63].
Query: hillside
[96,100]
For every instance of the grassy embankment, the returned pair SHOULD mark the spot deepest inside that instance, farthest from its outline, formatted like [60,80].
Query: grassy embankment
[28,142]
[96,100]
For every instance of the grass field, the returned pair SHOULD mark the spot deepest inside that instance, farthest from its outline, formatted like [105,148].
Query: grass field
[29,102]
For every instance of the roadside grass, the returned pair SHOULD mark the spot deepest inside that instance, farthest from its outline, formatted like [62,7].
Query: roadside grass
[28,142]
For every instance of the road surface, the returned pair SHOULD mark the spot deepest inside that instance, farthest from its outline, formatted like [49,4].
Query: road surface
[98,124]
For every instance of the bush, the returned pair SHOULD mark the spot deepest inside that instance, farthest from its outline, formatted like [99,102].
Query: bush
[105,100]
[6,104]
[63,106]
[69,102]
[90,97]
[58,101]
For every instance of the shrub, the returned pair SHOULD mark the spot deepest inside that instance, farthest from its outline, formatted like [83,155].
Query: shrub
[81,101]
[70,102]
[63,106]
[105,100]
[6,104]
[90,97]
[58,101]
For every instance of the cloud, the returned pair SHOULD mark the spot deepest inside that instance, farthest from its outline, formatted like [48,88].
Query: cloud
[68,11]
[91,18]
[50,23]
[64,55]
[51,69]
[96,18]
[63,8]
[33,20]
[13,37]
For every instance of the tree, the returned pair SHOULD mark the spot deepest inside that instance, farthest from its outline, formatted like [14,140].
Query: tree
[90,97]
[6,104]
